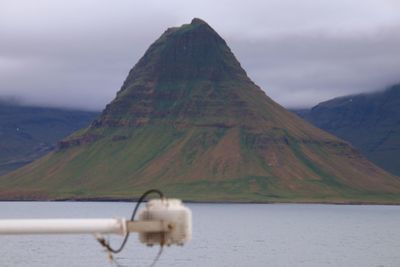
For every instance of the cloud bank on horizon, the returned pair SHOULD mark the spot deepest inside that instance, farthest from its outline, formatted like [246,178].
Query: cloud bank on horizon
[76,54]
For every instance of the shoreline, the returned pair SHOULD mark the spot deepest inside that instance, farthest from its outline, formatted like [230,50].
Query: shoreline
[130,200]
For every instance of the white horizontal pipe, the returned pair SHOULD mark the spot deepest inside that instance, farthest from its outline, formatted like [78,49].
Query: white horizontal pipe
[62,226]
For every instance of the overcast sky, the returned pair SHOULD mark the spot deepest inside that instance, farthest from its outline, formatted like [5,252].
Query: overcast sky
[76,53]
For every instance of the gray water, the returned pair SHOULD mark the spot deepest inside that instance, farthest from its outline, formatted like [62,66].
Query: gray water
[224,235]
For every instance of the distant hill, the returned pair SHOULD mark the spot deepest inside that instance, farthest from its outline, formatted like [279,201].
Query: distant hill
[189,121]
[371,122]
[27,133]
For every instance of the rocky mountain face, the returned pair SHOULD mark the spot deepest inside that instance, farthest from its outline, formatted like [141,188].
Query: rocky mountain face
[370,122]
[188,120]
[27,133]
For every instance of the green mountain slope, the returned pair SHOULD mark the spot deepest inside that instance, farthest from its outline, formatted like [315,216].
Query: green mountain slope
[370,122]
[27,133]
[189,121]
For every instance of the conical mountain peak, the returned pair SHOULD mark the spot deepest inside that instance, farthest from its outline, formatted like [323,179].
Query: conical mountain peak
[189,121]
[198,21]
[183,74]
[191,51]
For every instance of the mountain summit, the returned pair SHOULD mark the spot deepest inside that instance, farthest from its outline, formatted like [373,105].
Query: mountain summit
[182,77]
[188,120]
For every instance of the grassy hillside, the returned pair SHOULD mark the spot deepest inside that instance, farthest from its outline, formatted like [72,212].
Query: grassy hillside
[202,164]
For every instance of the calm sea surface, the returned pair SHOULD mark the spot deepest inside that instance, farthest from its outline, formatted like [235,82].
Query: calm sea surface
[224,235]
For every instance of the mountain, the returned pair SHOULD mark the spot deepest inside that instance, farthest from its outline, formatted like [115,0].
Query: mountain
[27,133]
[189,121]
[370,122]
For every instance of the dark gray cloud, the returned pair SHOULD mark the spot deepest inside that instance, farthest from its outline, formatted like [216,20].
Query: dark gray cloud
[300,70]
[77,53]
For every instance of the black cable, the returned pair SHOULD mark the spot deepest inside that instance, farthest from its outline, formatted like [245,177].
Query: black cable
[157,257]
[141,199]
